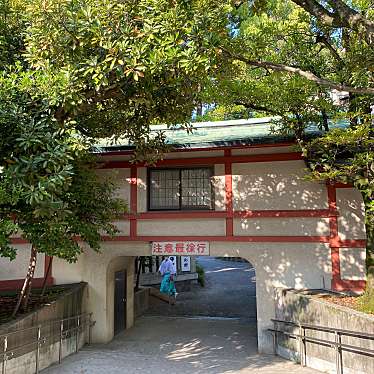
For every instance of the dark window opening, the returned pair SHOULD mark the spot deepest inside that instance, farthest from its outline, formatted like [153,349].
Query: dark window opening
[180,189]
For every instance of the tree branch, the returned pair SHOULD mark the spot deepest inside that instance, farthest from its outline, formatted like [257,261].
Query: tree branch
[260,108]
[320,38]
[316,9]
[342,16]
[303,73]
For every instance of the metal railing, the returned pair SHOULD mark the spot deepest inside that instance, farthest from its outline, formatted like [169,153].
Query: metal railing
[335,344]
[19,342]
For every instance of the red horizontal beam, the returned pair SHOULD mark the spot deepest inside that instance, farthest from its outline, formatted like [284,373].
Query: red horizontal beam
[348,243]
[180,215]
[246,239]
[237,214]
[286,213]
[200,149]
[16,284]
[289,156]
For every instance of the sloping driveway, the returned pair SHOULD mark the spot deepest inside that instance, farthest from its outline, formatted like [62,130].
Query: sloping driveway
[193,337]
[179,345]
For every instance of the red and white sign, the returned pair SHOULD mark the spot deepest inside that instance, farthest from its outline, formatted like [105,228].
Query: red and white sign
[180,248]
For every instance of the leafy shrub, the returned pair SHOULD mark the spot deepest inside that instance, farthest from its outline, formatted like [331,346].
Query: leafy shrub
[201,275]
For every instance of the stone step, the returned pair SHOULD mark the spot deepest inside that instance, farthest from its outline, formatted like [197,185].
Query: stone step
[159,295]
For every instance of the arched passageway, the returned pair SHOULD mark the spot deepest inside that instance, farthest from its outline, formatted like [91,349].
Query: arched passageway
[228,291]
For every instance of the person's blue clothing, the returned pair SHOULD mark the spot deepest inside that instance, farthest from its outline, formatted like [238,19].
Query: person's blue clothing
[167,285]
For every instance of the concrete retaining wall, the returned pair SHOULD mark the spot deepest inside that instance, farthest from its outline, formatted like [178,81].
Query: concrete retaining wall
[141,301]
[294,306]
[23,360]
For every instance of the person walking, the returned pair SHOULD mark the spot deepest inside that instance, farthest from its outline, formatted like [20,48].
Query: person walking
[168,275]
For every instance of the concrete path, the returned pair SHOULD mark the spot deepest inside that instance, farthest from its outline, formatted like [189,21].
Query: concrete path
[230,291]
[179,345]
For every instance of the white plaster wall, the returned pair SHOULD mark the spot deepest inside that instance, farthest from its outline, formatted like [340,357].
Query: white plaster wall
[97,269]
[142,190]
[17,268]
[64,272]
[275,185]
[122,180]
[218,182]
[352,263]
[296,265]
[282,226]
[182,227]
[123,227]
[351,219]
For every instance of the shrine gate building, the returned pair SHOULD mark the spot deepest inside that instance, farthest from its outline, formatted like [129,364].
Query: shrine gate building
[230,188]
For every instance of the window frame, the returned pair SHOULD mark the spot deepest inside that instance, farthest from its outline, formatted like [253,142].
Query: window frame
[181,208]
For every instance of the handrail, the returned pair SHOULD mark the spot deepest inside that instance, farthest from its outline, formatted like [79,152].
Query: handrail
[82,321]
[45,323]
[356,334]
[337,344]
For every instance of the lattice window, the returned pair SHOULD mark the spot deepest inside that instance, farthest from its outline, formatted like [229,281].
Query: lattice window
[177,189]
[164,189]
[196,188]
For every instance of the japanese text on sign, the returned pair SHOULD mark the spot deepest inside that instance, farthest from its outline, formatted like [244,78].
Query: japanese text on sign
[180,248]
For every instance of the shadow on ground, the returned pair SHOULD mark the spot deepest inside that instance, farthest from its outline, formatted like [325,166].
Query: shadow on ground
[179,345]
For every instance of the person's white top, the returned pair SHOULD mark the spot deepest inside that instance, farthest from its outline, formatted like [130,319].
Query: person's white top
[166,266]
[173,261]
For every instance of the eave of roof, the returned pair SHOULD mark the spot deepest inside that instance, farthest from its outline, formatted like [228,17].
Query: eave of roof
[247,132]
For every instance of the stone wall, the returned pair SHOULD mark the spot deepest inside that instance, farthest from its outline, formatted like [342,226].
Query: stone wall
[141,301]
[23,332]
[296,306]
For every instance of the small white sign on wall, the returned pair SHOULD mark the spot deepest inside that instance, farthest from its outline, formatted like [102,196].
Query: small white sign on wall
[186,263]
[173,259]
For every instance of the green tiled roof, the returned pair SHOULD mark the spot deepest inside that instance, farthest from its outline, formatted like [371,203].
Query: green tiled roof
[220,133]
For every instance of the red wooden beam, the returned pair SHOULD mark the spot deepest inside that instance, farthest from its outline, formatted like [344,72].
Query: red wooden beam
[324,213]
[180,215]
[289,156]
[246,239]
[133,200]
[229,194]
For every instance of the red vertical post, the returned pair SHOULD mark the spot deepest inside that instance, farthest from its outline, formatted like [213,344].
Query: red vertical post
[133,200]
[229,196]
[334,237]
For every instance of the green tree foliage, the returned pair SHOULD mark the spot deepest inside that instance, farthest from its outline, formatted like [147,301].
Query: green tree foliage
[72,71]
[285,58]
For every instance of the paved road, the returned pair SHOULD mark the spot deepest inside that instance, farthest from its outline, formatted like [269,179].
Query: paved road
[166,341]
[179,345]
[230,291]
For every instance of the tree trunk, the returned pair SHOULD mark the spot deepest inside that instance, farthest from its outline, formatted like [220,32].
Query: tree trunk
[325,120]
[46,276]
[24,295]
[199,109]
